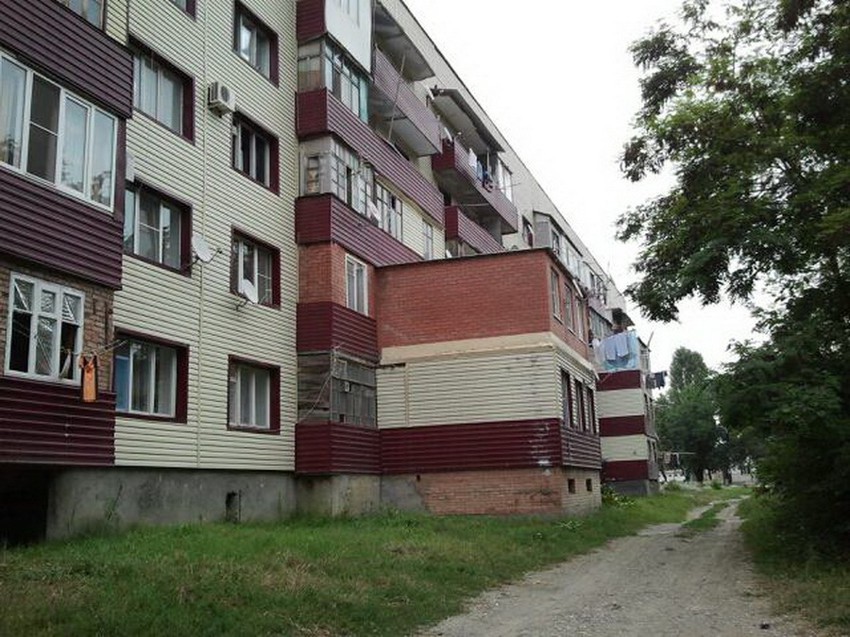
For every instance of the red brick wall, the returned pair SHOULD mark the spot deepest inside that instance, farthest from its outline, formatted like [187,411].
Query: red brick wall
[321,275]
[507,492]
[452,299]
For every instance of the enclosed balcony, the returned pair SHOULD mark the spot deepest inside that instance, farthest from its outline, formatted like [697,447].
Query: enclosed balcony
[456,172]
[459,227]
[397,110]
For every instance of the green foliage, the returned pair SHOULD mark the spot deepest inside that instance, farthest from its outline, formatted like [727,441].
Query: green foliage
[749,104]
[381,575]
[611,498]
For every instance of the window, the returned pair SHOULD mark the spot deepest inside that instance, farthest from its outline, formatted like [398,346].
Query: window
[582,415]
[163,92]
[252,396]
[554,290]
[330,166]
[187,5]
[391,209]
[428,240]
[588,484]
[571,485]
[353,393]
[581,318]
[527,233]
[254,152]
[156,228]
[146,379]
[591,403]
[569,306]
[91,10]
[356,285]
[351,7]
[257,263]
[324,65]
[50,133]
[45,330]
[566,399]
[255,43]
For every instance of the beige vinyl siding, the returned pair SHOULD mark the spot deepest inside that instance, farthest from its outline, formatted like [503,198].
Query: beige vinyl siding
[569,361]
[620,402]
[622,448]
[412,233]
[201,312]
[468,389]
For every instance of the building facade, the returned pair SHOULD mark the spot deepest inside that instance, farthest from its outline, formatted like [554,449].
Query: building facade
[314,273]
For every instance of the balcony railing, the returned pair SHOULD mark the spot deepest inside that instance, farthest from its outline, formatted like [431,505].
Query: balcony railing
[395,103]
[461,227]
[456,174]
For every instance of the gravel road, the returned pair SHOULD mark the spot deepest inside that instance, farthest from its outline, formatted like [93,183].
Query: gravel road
[656,584]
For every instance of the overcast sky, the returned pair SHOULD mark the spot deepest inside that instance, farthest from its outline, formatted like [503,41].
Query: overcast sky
[557,79]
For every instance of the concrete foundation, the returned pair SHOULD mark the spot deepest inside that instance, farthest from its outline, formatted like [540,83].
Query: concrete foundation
[635,487]
[338,495]
[118,498]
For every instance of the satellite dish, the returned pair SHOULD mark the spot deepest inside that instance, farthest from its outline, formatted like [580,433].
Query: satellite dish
[203,252]
[249,292]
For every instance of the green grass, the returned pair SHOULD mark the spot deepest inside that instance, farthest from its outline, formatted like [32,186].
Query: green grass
[705,522]
[800,580]
[381,575]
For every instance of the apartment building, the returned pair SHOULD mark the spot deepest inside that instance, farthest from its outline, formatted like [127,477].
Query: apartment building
[315,274]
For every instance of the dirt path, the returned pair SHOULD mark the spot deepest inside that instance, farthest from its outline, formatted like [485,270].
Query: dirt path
[656,584]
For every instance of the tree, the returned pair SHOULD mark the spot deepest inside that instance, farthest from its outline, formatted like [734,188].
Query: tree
[749,104]
[685,414]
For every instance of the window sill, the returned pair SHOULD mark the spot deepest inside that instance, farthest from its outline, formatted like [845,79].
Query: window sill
[149,417]
[253,430]
[64,382]
[268,78]
[242,297]
[154,120]
[274,191]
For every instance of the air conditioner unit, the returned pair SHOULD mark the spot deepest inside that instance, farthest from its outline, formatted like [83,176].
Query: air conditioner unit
[221,98]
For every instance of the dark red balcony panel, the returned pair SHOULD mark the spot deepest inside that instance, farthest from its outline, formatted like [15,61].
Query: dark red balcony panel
[323,326]
[581,449]
[627,470]
[494,445]
[623,426]
[333,448]
[324,218]
[455,175]
[394,102]
[40,224]
[626,379]
[310,20]
[47,423]
[461,227]
[319,113]
[53,39]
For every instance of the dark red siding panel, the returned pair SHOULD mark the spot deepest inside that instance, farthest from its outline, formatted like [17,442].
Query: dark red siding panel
[57,41]
[325,326]
[40,224]
[459,226]
[310,20]
[45,226]
[48,423]
[319,113]
[628,379]
[626,470]
[622,426]
[581,449]
[328,448]
[324,218]
[498,445]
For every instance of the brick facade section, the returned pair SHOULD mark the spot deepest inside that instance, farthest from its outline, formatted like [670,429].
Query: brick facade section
[508,492]
[97,318]
[321,276]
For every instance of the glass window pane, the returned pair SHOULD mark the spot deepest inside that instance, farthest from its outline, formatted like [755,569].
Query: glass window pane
[44,111]
[170,217]
[44,126]
[141,364]
[245,34]
[48,302]
[263,61]
[103,156]
[129,221]
[19,348]
[71,306]
[94,10]
[149,89]
[261,160]
[149,234]
[23,295]
[233,395]
[262,398]
[122,378]
[74,145]
[45,347]
[171,101]
[68,350]
[41,157]
[246,378]
[12,87]
[164,375]
[264,276]
[245,140]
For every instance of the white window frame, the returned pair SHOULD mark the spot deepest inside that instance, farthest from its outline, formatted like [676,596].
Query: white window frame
[234,396]
[93,111]
[240,128]
[360,300]
[255,28]
[139,57]
[175,384]
[175,208]
[60,291]
[555,291]
[427,240]
[266,297]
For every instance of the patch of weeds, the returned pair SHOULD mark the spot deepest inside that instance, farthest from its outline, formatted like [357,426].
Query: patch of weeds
[611,498]
[705,522]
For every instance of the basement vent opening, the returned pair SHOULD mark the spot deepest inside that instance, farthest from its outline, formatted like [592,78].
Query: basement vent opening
[233,507]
